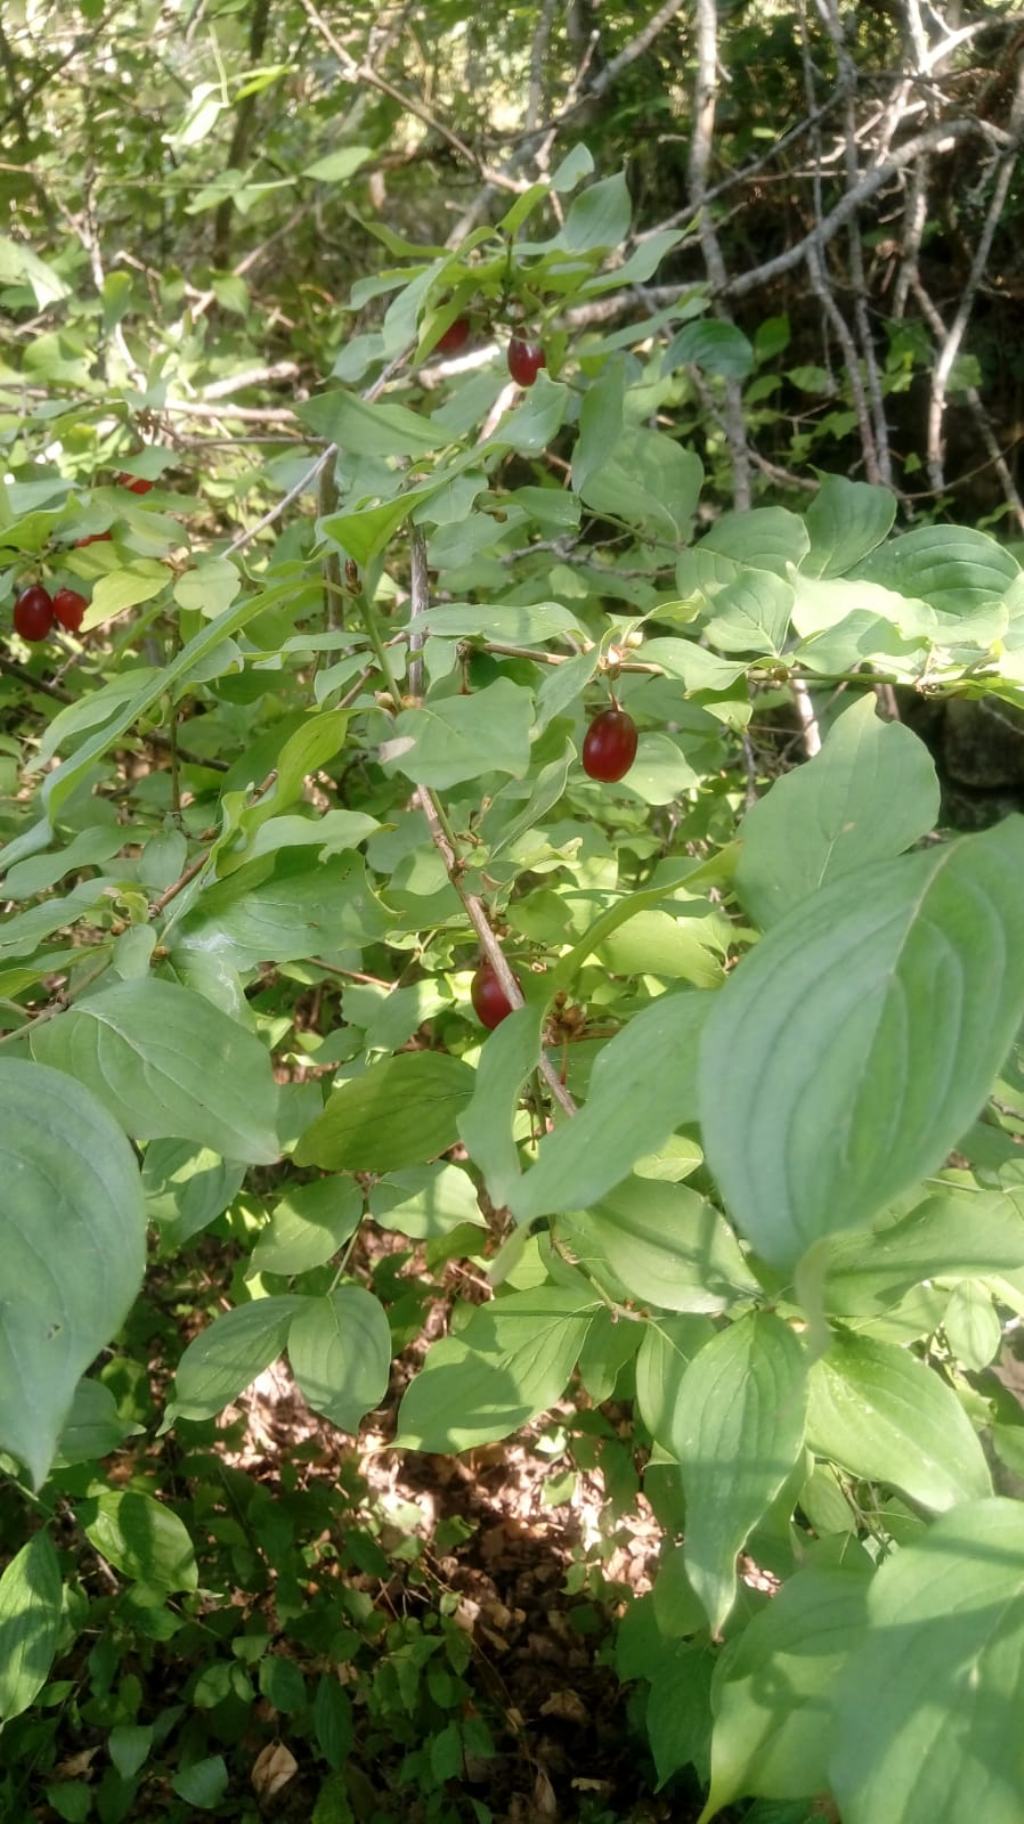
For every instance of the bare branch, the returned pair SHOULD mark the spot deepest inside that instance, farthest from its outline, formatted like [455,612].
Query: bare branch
[356,71]
[419,603]
[634,49]
[700,161]
[957,329]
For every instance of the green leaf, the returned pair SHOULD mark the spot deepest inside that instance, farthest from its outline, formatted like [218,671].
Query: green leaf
[140,1537]
[72,1240]
[598,217]
[666,1352]
[577,164]
[652,482]
[926,1708]
[129,1745]
[91,711]
[739,1430]
[510,1361]
[851,1050]
[337,166]
[122,589]
[661,773]
[773,1687]
[30,1624]
[332,1721]
[507,1060]
[717,348]
[951,1235]
[152,1050]
[642,1088]
[363,532]
[870,793]
[659,943]
[340,1351]
[644,260]
[600,423]
[846,520]
[452,739]
[156,683]
[282,1683]
[972,1326]
[957,570]
[532,425]
[426,1201]
[401,1112]
[504,832]
[307,749]
[202,1783]
[226,1357]
[332,833]
[295,914]
[19,264]
[90,849]
[209,588]
[93,1427]
[308,1225]
[514,623]
[698,668]
[665,1244]
[752,614]
[361,429]
[766,538]
[881,1414]
[187,1187]
[678,1710]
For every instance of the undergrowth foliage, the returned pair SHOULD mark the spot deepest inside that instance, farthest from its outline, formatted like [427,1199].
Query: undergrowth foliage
[730,1145]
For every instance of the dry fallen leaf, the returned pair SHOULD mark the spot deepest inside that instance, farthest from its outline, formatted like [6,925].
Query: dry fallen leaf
[273,1767]
[76,1765]
[565,1704]
[545,1805]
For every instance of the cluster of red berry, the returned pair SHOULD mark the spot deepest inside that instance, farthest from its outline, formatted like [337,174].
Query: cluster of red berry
[525,359]
[36,610]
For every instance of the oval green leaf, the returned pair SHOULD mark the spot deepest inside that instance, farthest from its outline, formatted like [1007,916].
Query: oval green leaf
[851,1050]
[72,1240]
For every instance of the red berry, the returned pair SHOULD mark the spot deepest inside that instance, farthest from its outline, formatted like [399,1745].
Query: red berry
[455,337]
[69,608]
[135,484]
[609,748]
[94,538]
[33,613]
[490,1002]
[525,360]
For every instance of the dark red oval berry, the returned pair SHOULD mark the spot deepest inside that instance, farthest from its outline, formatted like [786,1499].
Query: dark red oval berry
[525,360]
[609,748]
[69,608]
[33,613]
[94,538]
[490,1002]
[135,484]
[455,337]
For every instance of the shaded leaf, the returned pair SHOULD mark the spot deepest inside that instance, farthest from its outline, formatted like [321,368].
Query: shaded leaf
[72,1239]
[738,1431]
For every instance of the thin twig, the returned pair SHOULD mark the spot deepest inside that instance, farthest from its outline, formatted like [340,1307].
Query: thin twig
[957,329]
[481,925]
[419,602]
[357,71]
